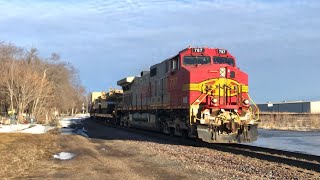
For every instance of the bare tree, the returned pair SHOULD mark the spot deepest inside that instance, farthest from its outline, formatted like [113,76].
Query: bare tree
[8,55]
[38,86]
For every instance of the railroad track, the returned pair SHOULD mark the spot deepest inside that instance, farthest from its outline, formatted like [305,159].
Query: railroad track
[300,160]
[296,159]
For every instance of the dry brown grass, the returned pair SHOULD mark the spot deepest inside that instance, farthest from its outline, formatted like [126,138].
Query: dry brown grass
[290,121]
[21,153]
[315,121]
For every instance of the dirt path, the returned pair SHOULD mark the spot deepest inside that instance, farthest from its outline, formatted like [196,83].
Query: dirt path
[100,159]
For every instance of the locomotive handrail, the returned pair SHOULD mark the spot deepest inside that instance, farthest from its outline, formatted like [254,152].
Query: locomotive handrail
[258,111]
[205,95]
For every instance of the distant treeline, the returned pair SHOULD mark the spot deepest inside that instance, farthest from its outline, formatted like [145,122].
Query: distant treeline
[37,87]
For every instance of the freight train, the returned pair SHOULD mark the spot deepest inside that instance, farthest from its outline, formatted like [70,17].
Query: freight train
[199,92]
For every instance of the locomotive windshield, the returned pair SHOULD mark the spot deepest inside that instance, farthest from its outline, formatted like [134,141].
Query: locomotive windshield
[223,60]
[192,60]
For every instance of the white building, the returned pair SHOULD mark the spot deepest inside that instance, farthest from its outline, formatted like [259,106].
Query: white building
[293,107]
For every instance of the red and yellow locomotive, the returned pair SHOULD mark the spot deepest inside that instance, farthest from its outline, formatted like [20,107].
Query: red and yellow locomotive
[200,92]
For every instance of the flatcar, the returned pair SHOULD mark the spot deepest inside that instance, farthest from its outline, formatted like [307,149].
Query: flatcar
[199,92]
[103,107]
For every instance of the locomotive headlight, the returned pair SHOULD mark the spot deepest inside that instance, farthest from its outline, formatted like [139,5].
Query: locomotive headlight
[214,100]
[222,72]
[246,102]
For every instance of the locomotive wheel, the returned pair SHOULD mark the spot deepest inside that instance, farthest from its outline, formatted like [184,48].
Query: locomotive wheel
[164,128]
[127,125]
[184,133]
[171,131]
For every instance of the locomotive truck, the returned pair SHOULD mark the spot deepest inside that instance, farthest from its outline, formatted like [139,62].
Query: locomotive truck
[199,92]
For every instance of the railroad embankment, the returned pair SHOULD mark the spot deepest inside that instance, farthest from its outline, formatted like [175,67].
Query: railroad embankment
[290,121]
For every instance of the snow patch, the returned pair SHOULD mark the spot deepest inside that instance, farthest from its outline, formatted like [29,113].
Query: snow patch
[37,129]
[296,141]
[25,128]
[70,131]
[72,125]
[83,115]
[68,121]
[81,132]
[13,128]
[64,156]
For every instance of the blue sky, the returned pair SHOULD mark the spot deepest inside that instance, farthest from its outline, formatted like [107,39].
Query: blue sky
[276,42]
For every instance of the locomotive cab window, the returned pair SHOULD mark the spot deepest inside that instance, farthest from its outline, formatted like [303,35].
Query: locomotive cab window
[194,60]
[153,72]
[223,60]
[175,64]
